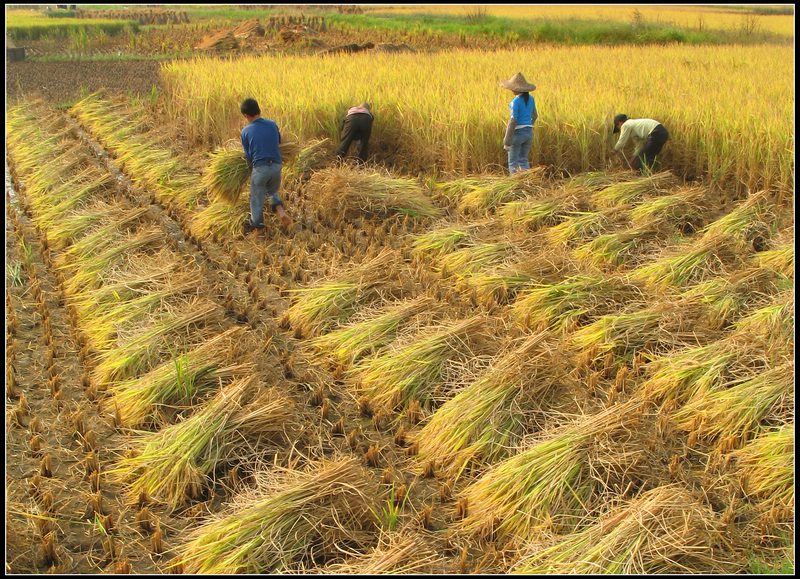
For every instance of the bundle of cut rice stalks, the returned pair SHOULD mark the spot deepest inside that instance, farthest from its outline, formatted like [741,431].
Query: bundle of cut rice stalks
[178,462]
[138,351]
[319,306]
[766,468]
[772,326]
[536,213]
[779,260]
[222,218]
[401,553]
[226,174]
[595,180]
[78,223]
[665,530]
[402,373]
[563,305]
[290,521]
[730,416]
[471,259]
[585,224]
[498,285]
[347,344]
[684,265]
[614,249]
[311,157]
[554,482]
[684,210]
[630,191]
[443,240]
[108,233]
[339,189]
[179,382]
[73,196]
[747,226]
[482,194]
[479,425]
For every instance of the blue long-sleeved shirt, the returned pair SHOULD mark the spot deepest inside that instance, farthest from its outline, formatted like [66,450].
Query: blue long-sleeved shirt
[523,114]
[261,141]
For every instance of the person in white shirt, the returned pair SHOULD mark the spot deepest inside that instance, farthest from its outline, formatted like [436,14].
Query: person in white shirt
[648,137]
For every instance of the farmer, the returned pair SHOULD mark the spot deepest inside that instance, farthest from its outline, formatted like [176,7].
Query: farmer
[356,126]
[519,131]
[648,136]
[261,140]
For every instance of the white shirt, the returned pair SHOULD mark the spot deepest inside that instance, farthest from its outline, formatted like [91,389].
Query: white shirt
[636,129]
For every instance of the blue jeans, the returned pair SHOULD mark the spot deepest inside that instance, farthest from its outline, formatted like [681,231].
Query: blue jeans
[265,179]
[520,149]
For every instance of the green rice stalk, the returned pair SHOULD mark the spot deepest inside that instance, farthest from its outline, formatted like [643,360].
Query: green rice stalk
[627,192]
[665,530]
[766,467]
[299,518]
[441,241]
[222,218]
[226,174]
[176,463]
[345,345]
[399,374]
[479,425]
[517,497]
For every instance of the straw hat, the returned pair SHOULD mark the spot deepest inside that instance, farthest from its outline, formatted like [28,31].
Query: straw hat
[518,83]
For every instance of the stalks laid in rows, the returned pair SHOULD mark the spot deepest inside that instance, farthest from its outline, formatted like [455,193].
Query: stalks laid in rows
[536,213]
[292,521]
[676,209]
[222,219]
[630,191]
[766,467]
[398,553]
[442,241]
[481,194]
[471,259]
[613,249]
[584,224]
[779,260]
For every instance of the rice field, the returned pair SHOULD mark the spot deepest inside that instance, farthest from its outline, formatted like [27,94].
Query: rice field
[438,368]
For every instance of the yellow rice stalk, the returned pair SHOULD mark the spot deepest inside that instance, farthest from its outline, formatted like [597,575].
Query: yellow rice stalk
[226,174]
[139,352]
[401,553]
[500,284]
[627,192]
[547,483]
[584,224]
[500,190]
[75,195]
[622,333]
[562,305]
[291,521]
[222,218]
[682,266]
[471,259]
[731,415]
[146,163]
[665,530]
[773,323]
[779,260]
[311,157]
[480,424]
[341,188]
[678,208]
[444,240]
[612,249]
[100,239]
[319,306]
[175,464]
[345,345]
[399,374]
[748,219]
[766,466]
[535,213]
[595,180]
[178,382]
[78,223]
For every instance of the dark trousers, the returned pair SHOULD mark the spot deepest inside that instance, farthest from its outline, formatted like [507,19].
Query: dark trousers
[652,147]
[357,127]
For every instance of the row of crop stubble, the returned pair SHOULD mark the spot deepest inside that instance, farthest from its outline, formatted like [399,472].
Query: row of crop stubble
[728,109]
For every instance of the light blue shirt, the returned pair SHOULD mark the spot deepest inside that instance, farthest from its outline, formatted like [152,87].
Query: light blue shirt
[524,114]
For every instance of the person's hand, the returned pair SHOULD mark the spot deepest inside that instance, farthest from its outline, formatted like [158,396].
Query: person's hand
[507,147]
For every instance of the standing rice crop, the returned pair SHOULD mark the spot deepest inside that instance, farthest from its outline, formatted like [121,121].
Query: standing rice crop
[289,520]
[479,425]
[766,467]
[665,530]
[400,374]
[548,483]
[177,462]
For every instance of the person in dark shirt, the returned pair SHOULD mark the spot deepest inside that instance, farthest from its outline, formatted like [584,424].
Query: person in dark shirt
[356,126]
[261,142]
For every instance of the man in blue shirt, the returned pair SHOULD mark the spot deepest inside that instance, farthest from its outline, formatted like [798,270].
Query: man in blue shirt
[261,142]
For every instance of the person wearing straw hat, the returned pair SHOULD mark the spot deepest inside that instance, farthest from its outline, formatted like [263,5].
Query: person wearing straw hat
[648,137]
[261,141]
[356,126]
[519,131]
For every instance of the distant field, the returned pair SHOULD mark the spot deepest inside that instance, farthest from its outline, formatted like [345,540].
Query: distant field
[32,25]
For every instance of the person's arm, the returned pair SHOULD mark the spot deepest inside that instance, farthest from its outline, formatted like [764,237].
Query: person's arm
[246,152]
[623,138]
[534,112]
[512,124]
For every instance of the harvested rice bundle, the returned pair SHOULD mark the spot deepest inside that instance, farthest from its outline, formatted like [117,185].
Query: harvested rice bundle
[343,188]
[138,352]
[665,530]
[549,483]
[584,224]
[310,157]
[779,260]
[683,265]
[629,191]
[773,324]
[471,259]
[678,209]
[400,374]
[745,223]
[77,224]
[723,299]
[77,196]
[613,249]
[500,190]
[175,464]
[535,213]
[404,552]
[295,519]
[226,174]
[147,163]
[347,344]
[483,421]
[562,305]
[595,180]
[731,415]
[444,240]
[222,218]
[179,381]
[498,285]
[319,306]
[766,467]
[100,239]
